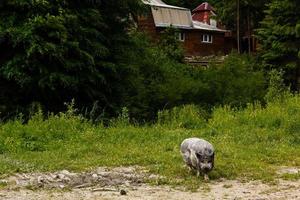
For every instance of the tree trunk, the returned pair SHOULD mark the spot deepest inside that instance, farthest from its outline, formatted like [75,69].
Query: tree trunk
[249,30]
[238,25]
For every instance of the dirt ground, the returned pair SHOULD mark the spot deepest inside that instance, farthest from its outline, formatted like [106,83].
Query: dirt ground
[127,184]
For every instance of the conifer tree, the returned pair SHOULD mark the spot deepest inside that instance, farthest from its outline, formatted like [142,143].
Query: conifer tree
[280,39]
[54,50]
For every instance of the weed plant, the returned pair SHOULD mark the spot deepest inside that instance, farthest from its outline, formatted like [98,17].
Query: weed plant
[250,143]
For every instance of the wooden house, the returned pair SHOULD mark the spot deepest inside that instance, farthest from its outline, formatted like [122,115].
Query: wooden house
[199,32]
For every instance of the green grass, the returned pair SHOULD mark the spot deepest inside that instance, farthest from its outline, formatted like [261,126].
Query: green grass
[251,143]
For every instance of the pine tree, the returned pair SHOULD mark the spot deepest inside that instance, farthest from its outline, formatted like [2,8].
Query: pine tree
[280,39]
[53,51]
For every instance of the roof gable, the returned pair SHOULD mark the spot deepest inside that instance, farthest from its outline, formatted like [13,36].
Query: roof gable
[204,7]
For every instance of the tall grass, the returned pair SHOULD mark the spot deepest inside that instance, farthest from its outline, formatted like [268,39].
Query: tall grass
[251,142]
[187,116]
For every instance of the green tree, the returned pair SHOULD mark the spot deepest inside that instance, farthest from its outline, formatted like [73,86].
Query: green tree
[171,45]
[57,50]
[236,82]
[155,79]
[280,39]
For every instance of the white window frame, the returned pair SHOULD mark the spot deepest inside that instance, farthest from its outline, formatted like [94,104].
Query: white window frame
[181,36]
[207,38]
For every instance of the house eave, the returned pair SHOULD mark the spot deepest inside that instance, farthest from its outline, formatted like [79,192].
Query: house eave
[162,5]
[162,25]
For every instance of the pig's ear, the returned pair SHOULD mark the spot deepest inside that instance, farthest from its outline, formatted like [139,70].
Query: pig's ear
[210,152]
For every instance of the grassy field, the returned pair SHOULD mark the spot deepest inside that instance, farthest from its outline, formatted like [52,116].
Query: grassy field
[250,143]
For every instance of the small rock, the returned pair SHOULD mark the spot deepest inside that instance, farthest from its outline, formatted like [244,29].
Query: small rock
[123,192]
[60,176]
[66,180]
[128,170]
[2,195]
[48,178]
[65,172]
[101,170]
[12,181]
[61,186]
[127,183]
[288,170]
[4,182]
[95,176]
[104,174]
[41,180]
[153,176]
[222,179]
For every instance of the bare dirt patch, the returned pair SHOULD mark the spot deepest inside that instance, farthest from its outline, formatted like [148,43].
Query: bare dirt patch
[128,184]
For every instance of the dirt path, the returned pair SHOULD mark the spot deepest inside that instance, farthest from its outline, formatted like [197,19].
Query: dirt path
[108,184]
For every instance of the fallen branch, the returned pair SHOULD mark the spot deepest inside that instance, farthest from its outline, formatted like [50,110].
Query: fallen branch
[104,190]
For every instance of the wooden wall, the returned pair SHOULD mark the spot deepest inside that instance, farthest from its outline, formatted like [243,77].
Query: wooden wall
[146,24]
[193,44]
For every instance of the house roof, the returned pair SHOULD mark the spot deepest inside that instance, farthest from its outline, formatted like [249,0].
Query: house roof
[160,3]
[204,7]
[202,26]
[166,15]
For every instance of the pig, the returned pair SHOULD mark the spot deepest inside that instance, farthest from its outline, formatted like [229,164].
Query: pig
[198,154]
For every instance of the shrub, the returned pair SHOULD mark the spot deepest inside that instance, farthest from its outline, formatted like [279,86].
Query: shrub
[38,132]
[187,116]
[277,90]
[275,122]
[236,82]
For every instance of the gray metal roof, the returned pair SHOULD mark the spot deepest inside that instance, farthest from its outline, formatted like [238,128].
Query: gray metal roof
[161,4]
[203,26]
[166,15]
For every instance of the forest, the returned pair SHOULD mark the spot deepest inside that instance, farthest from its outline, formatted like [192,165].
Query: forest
[55,51]
[90,107]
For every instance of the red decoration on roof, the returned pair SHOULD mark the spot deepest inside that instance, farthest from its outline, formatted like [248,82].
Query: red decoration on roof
[203,12]
[204,7]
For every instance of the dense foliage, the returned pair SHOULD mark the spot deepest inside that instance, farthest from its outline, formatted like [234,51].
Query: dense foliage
[278,30]
[55,51]
[236,82]
[280,39]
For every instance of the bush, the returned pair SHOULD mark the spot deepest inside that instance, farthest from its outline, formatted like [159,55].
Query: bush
[160,83]
[236,82]
[276,122]
[187,116]
[155,81]
[277,90]
[38,132]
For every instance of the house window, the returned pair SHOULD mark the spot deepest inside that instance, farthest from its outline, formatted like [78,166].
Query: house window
[207,38]
[181,37]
